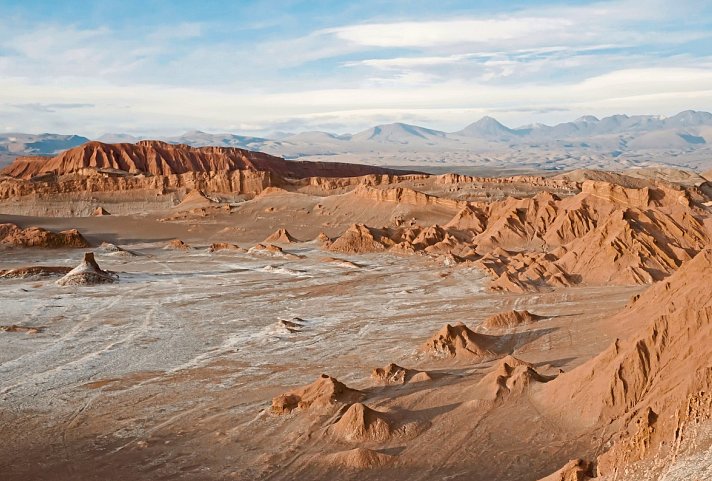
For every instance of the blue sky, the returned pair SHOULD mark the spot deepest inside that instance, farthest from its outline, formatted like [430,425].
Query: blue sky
[255,67]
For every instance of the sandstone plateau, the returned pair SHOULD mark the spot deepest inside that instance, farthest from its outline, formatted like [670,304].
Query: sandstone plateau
[529,327]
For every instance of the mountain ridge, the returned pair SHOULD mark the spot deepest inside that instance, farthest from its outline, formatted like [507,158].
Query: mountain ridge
[614,142]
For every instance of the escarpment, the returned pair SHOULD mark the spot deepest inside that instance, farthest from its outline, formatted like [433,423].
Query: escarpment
[606,234]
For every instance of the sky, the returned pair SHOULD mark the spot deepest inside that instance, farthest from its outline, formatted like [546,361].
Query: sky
[163,67]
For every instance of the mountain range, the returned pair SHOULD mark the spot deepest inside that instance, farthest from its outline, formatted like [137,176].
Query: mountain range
[618,141]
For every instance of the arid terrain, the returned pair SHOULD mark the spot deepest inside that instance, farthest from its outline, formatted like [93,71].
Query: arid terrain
[212,313]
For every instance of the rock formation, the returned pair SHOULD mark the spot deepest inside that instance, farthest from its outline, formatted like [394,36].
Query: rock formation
[281,236]
[34,272]
[508,319]
[87,273]
[178,245]
[110,249]
[574,470]
[606,234]
[23,329]
[272,250]
[403,195]
[358,458]
[161,159]
[361,423]
[225,246]
[651,390]
[321,395]
[360,239]
[460,343]
[395,374]
[510,376]
[12,235]
[323,239]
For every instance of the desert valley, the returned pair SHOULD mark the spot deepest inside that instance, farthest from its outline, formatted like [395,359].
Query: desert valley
[178,312]
[290,240]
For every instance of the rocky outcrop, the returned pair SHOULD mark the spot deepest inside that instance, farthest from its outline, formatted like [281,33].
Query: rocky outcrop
[323,239]
[113,250]
[607,234]
[88,273]
[460,343]
[272,251]
[34,272]
[359,423]
[395,374]
[404,195]
[358,458]
[22,329]
[245,182]
[574,470]
[510,376]
[225,246]
[280,236]
[650,390]
[319,396]
[360,239]
[13,236]
[509,319]
[177,245]
[162,159]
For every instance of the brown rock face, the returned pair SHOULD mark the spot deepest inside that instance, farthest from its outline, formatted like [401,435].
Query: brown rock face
[162,159]
[225,246]
[359,458]
[248,182]
[574,470]
[651,390]
[404,196]
[177,244]
[395,374]
[323,239]
[361,423]
[32,272]
[360,239]
[607,234]
[12,235]
[281,236]
[320,395]
[460,343]
[509,319]
[510,376]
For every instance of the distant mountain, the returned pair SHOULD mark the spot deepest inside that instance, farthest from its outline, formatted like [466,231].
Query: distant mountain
[490,129]
[39,144]
[684,139]
[13,145]
[314,137]
[197,138]
[399,133]
[118,139]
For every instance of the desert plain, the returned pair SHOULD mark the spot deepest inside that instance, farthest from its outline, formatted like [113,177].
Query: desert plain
[172,312]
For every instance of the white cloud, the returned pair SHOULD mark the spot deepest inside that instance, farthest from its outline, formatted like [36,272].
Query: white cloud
[450,32]
[155,109]
[168,78]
